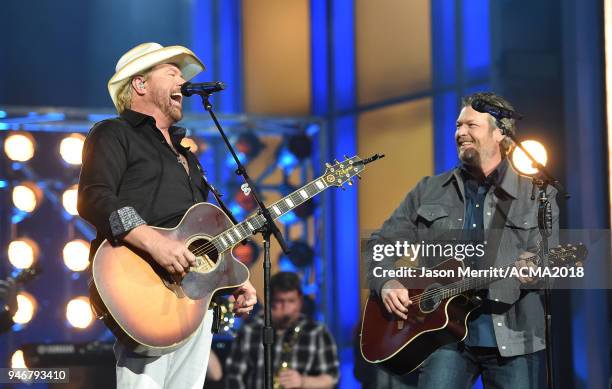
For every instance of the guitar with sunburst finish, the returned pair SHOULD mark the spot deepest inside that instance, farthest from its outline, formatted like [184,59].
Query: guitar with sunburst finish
[154,312]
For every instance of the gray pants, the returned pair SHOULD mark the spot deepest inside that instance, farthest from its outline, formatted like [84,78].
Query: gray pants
[182,368]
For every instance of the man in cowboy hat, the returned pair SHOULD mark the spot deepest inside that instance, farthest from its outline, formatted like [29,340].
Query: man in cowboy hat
[136,174]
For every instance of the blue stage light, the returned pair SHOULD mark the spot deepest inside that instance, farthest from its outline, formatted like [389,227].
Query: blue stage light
[288,219]
[312,129]
[229,160]
[286,160]
[236,210]
[284,264]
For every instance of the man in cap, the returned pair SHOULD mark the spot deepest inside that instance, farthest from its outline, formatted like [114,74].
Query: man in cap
[136,174]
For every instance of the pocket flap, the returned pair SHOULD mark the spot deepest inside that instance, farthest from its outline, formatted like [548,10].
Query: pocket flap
[431,212]
[525,221]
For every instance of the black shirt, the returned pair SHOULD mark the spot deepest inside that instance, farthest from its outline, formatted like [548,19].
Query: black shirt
[131,176]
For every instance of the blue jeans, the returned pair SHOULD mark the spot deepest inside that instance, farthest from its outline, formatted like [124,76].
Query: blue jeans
[457,366]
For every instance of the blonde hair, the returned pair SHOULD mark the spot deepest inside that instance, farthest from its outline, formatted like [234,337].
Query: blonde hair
[124,96]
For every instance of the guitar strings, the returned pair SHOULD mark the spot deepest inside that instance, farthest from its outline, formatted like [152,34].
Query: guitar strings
[469,282]
[294,196]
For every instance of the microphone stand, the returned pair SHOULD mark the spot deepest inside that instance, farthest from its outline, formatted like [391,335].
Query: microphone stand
[541,180]
[268,229]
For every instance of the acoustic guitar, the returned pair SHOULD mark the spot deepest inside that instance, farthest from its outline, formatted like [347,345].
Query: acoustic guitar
[154,312]
[438,315]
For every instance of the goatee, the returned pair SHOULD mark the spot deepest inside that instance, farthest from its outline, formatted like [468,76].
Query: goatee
[470,157]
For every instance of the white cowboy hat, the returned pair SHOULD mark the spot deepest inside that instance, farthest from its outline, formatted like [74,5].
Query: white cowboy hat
[147,55]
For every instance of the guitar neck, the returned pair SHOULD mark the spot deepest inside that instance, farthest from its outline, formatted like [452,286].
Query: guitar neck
[248,227]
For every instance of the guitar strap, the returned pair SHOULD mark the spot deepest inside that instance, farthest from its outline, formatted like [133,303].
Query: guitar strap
[213,190]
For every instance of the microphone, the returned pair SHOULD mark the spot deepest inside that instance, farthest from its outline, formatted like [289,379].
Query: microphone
[201,88]
[495,111]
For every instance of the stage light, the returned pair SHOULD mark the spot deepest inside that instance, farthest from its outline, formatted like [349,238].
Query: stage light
[69,200]
[249,144]
[20,146]
[522,163]
[231,163]
[76,255]
[292,151]
[26,308]
[301,254]
[247,253]
[78,312]
[18,360]
[300,146]
[286,160]
[22,253]
[71,148]
[27,196]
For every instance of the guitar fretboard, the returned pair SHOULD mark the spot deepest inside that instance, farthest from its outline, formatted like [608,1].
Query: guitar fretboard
[240,231]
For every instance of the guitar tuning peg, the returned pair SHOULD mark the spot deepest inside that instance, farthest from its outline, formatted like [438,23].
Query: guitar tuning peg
[358,177]
[350,183]
[346,156]
[327,165]
[336,161]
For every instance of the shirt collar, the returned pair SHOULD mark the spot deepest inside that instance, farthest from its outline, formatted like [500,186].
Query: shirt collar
[136,119]
[495,178]
[505,178]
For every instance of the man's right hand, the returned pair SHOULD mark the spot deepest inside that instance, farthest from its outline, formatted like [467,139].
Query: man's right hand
[395,297]
[173,256]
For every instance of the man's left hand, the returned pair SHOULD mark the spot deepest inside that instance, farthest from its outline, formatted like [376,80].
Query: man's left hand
[523,262]
[244,298]
[290,379]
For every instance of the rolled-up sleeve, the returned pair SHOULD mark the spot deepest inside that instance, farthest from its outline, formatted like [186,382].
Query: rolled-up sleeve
[104,163]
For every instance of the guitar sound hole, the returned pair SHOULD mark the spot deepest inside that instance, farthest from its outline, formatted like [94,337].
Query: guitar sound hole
[205,252]
[432,299]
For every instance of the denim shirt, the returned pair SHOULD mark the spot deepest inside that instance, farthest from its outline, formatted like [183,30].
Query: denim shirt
[481,332]
[436,206]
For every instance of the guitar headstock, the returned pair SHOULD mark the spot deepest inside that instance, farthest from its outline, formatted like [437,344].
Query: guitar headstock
[342,172]
[568,255]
